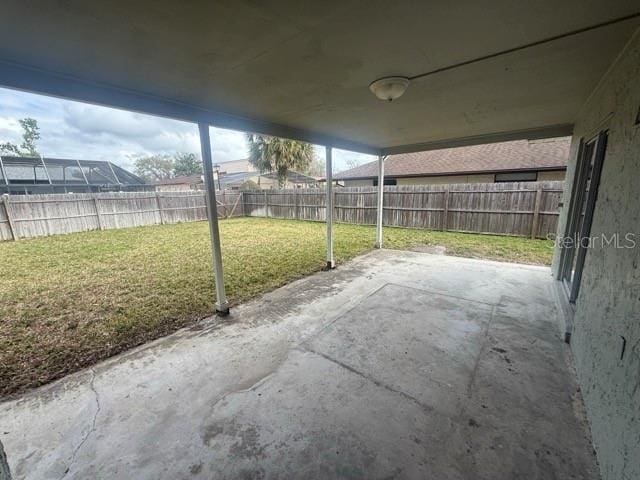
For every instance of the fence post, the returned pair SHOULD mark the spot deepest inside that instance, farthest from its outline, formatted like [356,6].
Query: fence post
[95,206]
[266,205]
[244,205]
[536,213]
[224,203]
[7,210]
[445,213]
[296,215]
[159,208]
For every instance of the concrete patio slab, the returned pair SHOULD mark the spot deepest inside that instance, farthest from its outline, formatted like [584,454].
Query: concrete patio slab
[396,365]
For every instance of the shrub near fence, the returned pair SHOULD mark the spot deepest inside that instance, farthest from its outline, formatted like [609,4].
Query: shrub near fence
[523,209]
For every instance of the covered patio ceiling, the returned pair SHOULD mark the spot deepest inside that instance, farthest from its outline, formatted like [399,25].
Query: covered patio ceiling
[302,69]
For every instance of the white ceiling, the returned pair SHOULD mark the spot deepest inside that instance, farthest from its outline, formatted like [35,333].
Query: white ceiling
[302,69]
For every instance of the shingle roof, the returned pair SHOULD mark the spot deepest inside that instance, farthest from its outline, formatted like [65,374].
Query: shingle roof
[180,180]
[293,177]
[492,157]
[237,178]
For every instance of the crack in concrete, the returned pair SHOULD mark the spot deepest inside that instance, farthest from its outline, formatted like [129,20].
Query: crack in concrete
[476,365]
[424,407]
[433,292]
[93,424]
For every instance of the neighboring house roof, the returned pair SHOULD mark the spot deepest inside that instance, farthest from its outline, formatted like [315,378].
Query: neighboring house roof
[237,160]
[225,179]
[293,177]
[180,180]
[237,178]
[550,154]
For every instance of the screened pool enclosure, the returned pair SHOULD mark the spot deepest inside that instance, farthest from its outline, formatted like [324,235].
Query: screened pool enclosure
[29,175]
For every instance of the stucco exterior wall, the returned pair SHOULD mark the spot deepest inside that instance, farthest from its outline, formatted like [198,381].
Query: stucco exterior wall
[264,182]
[608,306]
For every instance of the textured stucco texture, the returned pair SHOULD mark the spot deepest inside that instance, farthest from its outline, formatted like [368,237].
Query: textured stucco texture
[606,324]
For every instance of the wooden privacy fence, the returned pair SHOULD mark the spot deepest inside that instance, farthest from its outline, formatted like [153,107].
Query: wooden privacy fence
[528,209]
[523,209]
[25,216]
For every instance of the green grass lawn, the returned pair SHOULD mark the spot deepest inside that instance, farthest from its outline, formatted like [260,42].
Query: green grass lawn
[68,301]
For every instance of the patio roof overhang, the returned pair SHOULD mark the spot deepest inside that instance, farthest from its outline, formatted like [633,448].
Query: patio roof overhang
[491,71]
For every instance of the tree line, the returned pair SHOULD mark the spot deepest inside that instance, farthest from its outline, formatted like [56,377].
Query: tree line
[162,166]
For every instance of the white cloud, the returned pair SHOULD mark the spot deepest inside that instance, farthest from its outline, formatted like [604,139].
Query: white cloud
[343,158]
[77,130]
[10,130]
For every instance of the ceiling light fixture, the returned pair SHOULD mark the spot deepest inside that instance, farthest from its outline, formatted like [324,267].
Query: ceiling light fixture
[389,88]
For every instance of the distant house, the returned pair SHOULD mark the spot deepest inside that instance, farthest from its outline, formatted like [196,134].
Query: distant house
[236,173]
[517,161]
[29,175]
[236,166]
[233,175]
[180,183]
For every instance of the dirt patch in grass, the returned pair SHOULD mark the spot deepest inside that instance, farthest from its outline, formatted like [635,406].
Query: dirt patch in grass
[69,301]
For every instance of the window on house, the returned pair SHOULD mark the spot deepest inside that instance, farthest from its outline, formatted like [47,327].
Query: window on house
[387,181]
[516,177]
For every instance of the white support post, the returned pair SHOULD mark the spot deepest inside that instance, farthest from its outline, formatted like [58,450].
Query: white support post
[222,307]
[329,214]
[380,201]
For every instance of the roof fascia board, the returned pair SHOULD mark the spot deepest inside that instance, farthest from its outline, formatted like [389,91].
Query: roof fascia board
[550,131]
[31,79]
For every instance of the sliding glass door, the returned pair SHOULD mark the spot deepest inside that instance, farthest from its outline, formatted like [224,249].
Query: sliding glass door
[584,195]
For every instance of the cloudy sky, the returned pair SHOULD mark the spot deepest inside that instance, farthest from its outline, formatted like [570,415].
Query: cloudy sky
[81,131]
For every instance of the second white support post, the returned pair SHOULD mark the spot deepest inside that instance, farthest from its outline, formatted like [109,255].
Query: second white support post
[330,262]
[380,201]
[222,306]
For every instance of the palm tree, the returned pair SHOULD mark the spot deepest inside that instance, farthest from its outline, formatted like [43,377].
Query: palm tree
[273,154]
